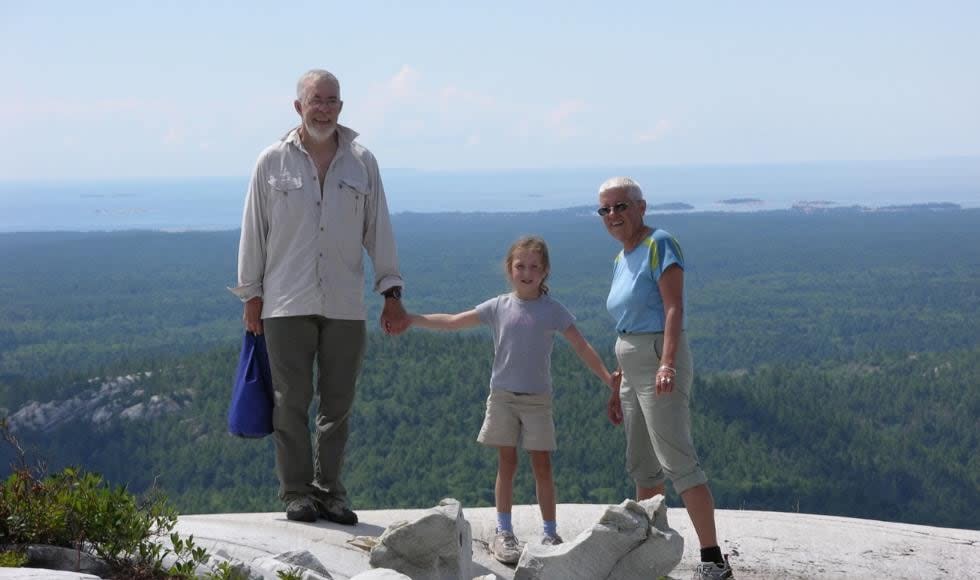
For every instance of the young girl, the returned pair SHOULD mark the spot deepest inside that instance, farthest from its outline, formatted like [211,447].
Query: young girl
[523,324]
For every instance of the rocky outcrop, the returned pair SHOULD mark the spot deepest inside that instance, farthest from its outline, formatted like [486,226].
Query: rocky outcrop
[761,544]
[631,540]
[300,562]
[435,546]
[57,558]
[104,401]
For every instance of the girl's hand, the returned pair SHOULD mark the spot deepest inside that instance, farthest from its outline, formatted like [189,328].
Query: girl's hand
[616,380]
[665,379]
[614,408]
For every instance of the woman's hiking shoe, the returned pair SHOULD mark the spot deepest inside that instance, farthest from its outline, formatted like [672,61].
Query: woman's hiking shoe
[301,509]
[505,548]
[713,571]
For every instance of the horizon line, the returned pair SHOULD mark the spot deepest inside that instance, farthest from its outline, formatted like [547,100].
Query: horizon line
[575,168]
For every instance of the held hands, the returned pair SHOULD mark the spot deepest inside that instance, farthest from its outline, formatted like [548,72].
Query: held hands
[615,380]
[614,407]
[252,316]
[394,319]
[665,379]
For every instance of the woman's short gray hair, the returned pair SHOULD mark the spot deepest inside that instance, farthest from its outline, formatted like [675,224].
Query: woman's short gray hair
[631,187]
[313,77]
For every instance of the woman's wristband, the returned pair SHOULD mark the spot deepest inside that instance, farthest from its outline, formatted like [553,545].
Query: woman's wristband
[669,369]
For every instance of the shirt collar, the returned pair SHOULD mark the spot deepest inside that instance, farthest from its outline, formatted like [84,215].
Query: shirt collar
[345,134]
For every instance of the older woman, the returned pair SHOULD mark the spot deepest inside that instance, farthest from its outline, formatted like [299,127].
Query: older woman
[647,301]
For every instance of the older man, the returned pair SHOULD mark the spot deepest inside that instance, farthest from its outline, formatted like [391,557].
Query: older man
[314,204]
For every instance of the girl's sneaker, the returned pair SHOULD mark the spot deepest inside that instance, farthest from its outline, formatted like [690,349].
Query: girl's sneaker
[505,548]
[549,540]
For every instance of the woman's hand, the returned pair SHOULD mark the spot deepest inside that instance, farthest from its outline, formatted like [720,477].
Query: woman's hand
[665,379]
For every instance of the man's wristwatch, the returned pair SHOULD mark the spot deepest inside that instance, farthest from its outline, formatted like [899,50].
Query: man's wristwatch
[393,292]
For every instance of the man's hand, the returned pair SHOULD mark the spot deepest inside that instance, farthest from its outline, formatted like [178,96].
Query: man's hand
[394,319]
[253,316]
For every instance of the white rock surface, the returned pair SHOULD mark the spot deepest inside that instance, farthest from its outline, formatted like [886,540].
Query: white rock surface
[435,546]
[42,574]
[659,554]
[381,574]
[301,560]
[763,545]
[598,550]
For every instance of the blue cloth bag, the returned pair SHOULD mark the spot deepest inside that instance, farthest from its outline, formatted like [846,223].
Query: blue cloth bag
[250,413]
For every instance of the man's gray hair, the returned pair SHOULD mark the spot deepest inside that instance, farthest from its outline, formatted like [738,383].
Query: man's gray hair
[631,187]
[313,77]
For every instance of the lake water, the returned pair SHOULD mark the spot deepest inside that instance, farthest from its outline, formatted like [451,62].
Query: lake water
[216,203]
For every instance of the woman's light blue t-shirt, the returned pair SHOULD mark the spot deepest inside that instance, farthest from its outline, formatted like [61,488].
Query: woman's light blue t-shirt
[634,298]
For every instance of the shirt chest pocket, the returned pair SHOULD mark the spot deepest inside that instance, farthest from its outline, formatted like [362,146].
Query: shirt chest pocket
[288,200]
[352,201]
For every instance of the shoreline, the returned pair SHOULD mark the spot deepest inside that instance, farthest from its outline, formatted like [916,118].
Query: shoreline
[803,208]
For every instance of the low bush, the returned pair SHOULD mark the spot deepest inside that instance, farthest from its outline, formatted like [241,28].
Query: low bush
[79,510]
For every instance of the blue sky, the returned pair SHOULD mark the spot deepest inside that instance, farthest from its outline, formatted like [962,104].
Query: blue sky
[97,89]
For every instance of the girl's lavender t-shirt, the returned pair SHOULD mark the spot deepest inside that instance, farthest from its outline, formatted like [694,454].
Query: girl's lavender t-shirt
[523,336]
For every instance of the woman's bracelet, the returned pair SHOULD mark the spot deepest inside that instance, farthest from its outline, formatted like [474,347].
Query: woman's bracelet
[672,370]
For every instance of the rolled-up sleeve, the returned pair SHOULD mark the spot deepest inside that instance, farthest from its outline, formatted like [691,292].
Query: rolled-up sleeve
[379,238]
[252,244]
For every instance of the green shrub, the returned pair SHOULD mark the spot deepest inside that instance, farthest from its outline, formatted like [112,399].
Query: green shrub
[12,559]
[79,510]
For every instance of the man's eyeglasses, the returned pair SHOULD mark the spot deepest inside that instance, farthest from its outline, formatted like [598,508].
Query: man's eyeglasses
[330,103]
[616,207]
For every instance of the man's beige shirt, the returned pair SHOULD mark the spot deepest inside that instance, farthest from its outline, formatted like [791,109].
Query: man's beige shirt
[303,253]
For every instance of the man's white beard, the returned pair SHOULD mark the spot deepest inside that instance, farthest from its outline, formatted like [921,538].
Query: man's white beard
[320,135]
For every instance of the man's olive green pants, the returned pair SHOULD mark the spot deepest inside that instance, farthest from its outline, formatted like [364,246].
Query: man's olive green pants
[335,348]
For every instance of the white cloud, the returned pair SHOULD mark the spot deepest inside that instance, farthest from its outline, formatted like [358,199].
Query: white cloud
[451,96]
[174,136]
[660,129]
[473,140]
[411,127]
[45,109]
[405,82]
[563,117]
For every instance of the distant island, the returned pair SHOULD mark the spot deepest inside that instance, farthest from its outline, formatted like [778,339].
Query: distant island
[671,206]
[742,201]
[932,206]
[815,205]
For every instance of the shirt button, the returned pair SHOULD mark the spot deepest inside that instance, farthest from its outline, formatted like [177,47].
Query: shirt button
[321,228]
[318,203]
[321,254]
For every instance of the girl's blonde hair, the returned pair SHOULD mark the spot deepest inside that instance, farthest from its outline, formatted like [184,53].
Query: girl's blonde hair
[530,244]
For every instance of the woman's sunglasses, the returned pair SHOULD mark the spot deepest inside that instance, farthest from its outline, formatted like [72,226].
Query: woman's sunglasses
[616,207]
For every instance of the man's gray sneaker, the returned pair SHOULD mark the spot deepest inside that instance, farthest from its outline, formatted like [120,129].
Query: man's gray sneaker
[301,509]
[505,548]
[712,571]
[549,540]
